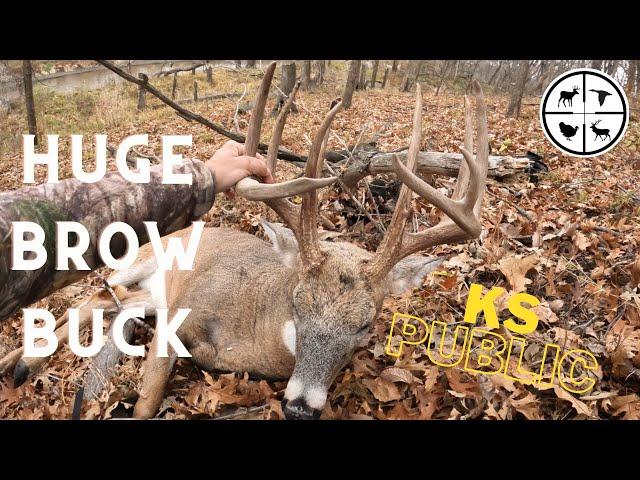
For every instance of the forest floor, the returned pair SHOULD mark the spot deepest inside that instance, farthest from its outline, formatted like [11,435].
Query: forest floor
[571,239]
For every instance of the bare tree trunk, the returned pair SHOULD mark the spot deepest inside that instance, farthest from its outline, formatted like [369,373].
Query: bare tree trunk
[238,63]
[174,87]
[305,77]
[418,71]
[612,67]
[287,81]
[516,97]
[210,75]
[27,75]
[250,64]
[321,69]
[374,73]
[632,73]
[195,91]
[362,82]
[142,99]
[406,81]
[443,75]
[394,66]
[455,72]
[495,72]
[472,75]
[638,79]
[545,75]
[386,76]
[350,85]
[596,64]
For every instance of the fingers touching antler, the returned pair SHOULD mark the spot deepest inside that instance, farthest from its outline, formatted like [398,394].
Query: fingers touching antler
[301,219]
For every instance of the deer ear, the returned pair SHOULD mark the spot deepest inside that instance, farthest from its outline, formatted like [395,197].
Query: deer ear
[283,241]
[409,272]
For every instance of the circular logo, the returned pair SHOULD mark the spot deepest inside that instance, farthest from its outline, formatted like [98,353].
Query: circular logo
[584,112]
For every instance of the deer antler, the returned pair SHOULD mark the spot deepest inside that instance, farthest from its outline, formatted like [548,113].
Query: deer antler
[301,219]
[462,211]
[250,188]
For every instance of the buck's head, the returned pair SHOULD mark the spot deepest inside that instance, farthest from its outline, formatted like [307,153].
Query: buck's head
[340,287]
[334,305]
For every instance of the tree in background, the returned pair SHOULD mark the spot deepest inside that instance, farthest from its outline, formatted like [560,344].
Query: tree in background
[515,103]
[305,76]
[287,81]
[353,75]
[27,74]
[374,73]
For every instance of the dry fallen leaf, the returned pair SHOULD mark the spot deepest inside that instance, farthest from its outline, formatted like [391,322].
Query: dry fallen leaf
[579,406]
[383,390]
[515,270]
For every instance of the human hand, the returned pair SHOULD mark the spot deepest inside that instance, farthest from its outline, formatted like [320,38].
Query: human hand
[230,165]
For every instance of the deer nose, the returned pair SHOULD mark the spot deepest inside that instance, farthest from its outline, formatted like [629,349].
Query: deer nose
[298,409]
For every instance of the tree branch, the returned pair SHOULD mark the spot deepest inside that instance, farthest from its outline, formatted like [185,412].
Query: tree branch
[370,162]
[188,115]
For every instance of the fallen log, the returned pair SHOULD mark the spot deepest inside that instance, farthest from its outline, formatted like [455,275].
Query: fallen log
[164,73]
[217,96]
[367,163]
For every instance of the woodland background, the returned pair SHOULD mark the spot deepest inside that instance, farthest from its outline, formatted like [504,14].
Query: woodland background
[569,236]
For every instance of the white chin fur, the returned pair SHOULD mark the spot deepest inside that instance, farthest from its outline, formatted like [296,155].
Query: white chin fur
[294,389]
[316,397]
[289,336]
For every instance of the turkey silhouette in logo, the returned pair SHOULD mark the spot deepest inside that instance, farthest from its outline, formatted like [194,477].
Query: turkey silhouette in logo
[584,112]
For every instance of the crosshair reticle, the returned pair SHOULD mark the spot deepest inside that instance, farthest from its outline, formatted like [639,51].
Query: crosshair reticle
[584,112]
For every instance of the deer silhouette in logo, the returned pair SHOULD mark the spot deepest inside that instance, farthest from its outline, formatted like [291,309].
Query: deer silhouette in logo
[602,133]
[568,96]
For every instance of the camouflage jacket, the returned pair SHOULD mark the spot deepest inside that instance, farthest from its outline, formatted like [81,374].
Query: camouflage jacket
[94,205]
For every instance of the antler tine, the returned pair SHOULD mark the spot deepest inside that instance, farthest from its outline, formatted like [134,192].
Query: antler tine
[448,231]
[309,249]
[276,137]
[257,114]
[482,154]
[250,188]
[387,252]
[462,211]
[463,173]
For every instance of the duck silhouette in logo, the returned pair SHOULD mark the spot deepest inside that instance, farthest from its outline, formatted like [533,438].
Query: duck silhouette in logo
[602,95]
[567,130]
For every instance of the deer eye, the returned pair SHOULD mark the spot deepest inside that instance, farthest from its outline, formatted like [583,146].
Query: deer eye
[363,328]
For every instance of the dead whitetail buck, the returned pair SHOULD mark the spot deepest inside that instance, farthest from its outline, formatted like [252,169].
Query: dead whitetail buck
[300,307]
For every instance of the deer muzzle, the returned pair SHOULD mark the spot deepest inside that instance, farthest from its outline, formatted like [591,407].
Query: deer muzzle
[303,402]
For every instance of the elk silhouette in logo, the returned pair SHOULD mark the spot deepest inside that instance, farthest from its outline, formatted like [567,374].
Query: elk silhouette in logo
[602,95]
[568,96]
[602,133]
[567,130]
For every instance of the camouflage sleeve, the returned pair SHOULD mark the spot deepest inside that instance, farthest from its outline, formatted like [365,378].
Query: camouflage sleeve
[95,205]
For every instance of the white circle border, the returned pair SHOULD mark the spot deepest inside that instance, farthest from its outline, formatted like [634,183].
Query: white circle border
[561,77]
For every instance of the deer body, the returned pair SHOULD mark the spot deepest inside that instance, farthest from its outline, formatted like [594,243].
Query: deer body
[238,293]
[243,295]
[568,96]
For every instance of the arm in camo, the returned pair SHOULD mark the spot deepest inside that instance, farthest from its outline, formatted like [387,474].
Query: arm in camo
[95,205]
